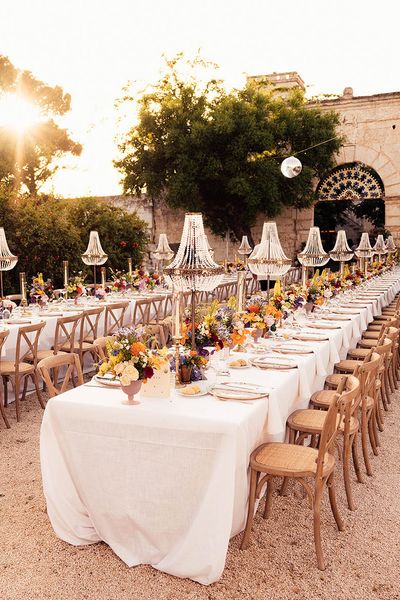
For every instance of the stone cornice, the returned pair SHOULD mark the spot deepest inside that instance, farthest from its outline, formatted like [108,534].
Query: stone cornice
[354,101]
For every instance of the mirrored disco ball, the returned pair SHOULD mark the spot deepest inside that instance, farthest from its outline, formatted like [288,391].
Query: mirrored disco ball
[291,167]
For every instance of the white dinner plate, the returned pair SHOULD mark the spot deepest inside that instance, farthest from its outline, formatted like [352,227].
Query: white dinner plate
[107,381]
[201,393]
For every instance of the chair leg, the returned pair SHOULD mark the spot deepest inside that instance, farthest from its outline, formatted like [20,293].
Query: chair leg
[317,525]
[364,445]
[347,443]
[356,462]
[3,413]
[16,392]
[35,379]
[333,502]
[283,490]
[5,388]
[372,433]
[268,498]
[250,509]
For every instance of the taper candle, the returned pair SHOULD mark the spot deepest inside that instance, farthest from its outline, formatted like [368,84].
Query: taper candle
[103,277]
[22,283]
[130,266]
[65,265]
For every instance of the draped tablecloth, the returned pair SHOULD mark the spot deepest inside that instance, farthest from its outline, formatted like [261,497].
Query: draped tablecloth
[165,482]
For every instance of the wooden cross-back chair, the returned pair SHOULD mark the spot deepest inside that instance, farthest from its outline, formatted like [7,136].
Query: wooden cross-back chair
[156,320]
[114,317]
[299,463]
[20,370]
[368,375]
[3,336]
[86,335]
[64,336]
[309,422]
[141,311]
[73,372]
[99,346]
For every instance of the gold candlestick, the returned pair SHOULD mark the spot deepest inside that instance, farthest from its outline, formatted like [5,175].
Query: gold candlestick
[22,283]
[129,266]
[103,277]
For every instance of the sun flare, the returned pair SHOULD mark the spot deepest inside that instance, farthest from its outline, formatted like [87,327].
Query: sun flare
[17,113]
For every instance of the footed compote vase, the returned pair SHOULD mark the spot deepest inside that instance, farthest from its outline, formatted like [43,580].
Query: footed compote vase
[130,390]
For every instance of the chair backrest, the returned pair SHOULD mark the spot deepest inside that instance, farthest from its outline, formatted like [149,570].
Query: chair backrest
[114,317]
[156,309]
[368,375]
[141,311]
[27,343]
[167,306]
[3,336]
[100,347]
[89,325]
[342,406]
[65,333]
[73,369]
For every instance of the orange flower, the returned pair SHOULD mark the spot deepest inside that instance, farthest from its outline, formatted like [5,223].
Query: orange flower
[254,308]
[137,348]
[193,353]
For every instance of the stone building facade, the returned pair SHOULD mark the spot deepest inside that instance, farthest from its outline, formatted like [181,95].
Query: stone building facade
[371,127]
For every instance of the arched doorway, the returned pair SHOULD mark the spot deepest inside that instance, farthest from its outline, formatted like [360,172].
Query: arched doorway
[350,197]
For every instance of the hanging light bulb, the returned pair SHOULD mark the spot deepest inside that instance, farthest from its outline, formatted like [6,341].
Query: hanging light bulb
[268,258]
[291,167]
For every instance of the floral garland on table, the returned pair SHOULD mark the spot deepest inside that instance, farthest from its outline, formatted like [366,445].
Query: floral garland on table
[129,359]
[235,266]
[221,326]
[40,287]
[76,286]
[139,279]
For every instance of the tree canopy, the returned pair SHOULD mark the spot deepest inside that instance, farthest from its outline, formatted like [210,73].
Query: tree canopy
[219,153]
[28,155]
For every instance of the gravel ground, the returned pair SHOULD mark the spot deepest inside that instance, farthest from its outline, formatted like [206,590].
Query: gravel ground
[363,561]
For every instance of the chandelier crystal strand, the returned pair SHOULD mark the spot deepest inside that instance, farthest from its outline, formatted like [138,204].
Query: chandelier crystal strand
[364,251]
[245,249]
[7,259]
[390,245]
[162,252]
[94,254]
[341,251]
[380,247]
[268,259]
[193,268]
[313,254]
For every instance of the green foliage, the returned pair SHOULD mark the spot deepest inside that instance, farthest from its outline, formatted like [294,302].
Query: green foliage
[28,160]
[44,233]
[220,153]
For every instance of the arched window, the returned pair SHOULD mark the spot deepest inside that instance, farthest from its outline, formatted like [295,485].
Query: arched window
[352,181]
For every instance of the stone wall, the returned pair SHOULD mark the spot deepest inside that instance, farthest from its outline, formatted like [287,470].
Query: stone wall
[293,225]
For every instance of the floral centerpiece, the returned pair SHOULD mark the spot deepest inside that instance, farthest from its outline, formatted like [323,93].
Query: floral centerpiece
[76,286]
[235,266]
[221,326]
[41,290]
[261,314]
[130,361]
[139,279]
[191,363]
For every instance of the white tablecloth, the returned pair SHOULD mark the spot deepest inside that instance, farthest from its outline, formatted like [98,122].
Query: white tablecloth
[165,482]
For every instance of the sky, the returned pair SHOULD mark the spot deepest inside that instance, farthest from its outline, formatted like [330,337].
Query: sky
[92,48]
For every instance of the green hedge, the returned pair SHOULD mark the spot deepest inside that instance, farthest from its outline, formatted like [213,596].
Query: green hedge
[46,231]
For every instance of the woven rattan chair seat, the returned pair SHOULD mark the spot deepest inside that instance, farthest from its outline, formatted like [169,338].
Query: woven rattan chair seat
[289,460]
[312,421]
[8,367]
[357,353]
[371,335]
[346,365]
[324,397]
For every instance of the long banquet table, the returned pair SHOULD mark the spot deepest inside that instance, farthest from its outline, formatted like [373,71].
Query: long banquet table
[165,482]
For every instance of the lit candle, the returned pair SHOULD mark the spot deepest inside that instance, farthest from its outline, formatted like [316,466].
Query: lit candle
[65,265]
[103,277]
[130,266]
